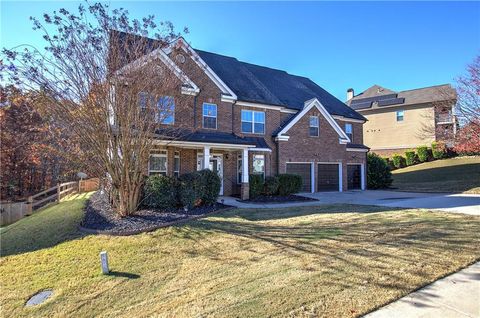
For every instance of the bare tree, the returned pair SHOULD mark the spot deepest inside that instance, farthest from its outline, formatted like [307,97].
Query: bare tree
[111,105]
[468,89]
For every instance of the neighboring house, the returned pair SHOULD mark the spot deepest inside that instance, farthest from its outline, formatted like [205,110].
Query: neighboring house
[248,119]
[399,121]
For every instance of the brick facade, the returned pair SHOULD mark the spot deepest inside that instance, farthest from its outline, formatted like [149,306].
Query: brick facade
[300,147]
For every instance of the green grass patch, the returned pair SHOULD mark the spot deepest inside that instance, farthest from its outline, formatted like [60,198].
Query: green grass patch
[447,175]
[330,261]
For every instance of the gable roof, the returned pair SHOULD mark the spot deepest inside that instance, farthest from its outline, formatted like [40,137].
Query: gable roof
[259,84]
[386,97]
[314,102]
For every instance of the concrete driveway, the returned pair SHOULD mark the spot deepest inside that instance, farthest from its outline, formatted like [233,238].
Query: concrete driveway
[457,203]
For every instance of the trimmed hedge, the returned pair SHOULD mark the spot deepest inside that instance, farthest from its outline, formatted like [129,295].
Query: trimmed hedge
[160,192]
[255,183]
[410,158]
[190,190]
[289,184]
[439,150]
[398,161]
[379,175]
[422,153]
[271,185]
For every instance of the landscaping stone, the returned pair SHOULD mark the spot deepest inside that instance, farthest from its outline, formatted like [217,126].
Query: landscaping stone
[39,298]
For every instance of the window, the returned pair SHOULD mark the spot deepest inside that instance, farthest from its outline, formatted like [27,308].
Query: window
[142,100]
[239,169]
[158,163]
[314,126]
[400,114]
[349,131]
[166,110]
[253,122]
[209,116]
[259,165]
[176,164]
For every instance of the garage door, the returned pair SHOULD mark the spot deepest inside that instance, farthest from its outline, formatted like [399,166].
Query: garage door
[354,177]
[327,177]
[304,170]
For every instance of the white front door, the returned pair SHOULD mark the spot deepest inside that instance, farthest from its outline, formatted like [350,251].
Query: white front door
[216,164]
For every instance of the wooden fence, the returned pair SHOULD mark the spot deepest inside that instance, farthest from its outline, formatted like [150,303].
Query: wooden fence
[11,212]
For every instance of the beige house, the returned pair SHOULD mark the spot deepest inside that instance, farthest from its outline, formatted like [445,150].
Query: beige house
[399,121]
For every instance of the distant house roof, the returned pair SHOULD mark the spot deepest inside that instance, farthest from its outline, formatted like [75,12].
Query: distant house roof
[259,84]
[385,97]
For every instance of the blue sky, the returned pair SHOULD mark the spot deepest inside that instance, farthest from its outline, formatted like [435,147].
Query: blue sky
[399,45]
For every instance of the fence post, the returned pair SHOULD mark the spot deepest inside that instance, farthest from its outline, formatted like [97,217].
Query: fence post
[58,192]
[29,206]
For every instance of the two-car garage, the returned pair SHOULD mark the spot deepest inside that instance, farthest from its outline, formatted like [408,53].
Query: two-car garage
[326,176]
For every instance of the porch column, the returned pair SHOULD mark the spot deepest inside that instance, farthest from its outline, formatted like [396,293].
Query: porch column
[245,187]
[206,157]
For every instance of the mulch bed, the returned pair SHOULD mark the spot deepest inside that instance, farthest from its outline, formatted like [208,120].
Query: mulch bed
[278,199]
[100,218]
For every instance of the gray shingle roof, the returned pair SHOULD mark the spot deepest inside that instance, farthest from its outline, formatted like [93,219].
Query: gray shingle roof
[388,97]
[259,84]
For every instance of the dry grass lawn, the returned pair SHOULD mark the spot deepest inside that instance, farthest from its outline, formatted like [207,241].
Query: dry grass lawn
[460,174]
[329,261]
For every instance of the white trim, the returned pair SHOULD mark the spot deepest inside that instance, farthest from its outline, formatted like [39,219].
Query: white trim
[245,166]
[260,149]
[208,71]
[201,144]
[159,155]
[349,119]
[253,122]
[363,179]
[216,116]
[357,149]
[282,138]
[160,54]
[308,106]
[312,177]
[266,106]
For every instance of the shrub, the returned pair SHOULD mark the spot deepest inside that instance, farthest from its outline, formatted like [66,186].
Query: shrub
[398,161]
[191,185]
[289,184]
[160,192]
[378,172]
[211,183]
[255,182]
[422,153]
[439,150]
[271,185]
[410,158]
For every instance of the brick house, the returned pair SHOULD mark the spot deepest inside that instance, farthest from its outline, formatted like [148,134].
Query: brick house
[246,119]
[404,120]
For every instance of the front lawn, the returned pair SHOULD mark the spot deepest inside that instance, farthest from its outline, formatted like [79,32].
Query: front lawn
[447,175]
[329,261]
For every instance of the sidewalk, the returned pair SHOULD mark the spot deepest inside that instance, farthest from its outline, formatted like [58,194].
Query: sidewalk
[457,295]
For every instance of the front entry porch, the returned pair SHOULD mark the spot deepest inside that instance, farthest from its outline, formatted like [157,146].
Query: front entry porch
[231,162]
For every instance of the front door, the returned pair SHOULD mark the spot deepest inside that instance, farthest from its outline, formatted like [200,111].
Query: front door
[216,164]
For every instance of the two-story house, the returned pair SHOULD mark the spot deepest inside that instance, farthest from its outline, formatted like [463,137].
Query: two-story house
[404,120]
[248,119]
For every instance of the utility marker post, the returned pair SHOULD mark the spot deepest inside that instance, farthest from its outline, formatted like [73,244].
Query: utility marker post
[104,262]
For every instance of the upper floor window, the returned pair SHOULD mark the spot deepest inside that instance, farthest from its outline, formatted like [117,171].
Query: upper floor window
[349,131]
[314,126]
[400,115]
[253,122]
[166,110]
[158,163]
[165,107]
[209,116]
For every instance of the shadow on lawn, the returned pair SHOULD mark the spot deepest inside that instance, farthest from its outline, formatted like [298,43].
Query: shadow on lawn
[45,228]
[376,249]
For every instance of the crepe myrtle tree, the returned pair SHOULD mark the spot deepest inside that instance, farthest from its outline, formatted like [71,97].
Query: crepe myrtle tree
[113,106]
